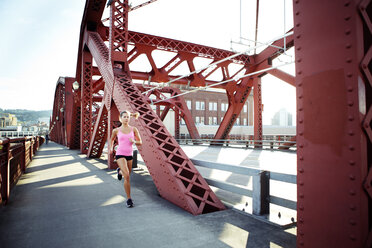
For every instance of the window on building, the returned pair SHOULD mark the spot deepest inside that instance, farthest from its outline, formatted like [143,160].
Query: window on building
[245,108]
[210,120]
[202,120]
[202,105]
[237,121]
[245,121]
[224,106]
[212,106]
[197,120]
[188,102]
[214,120]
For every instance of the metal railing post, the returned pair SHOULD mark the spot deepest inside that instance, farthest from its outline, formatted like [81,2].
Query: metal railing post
[5,187]
[134,164]
[23,159]
[261,193]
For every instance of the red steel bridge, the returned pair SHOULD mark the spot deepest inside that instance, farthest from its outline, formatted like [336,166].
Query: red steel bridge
[332,41]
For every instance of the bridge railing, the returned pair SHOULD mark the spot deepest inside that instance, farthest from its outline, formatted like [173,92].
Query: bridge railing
[260,192]
[15,155]
[262,144]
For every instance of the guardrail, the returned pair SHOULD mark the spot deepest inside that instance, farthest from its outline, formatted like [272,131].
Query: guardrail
[13,134]
[15,155]
[260,193]
[262,144]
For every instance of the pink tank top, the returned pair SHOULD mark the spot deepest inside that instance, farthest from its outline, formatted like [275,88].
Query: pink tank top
[125,146]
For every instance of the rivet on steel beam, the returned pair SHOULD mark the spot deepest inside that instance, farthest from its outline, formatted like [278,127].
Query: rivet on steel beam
[297,13]
[352,222]
[299,84]
[350,88]
[300,109]
[301,157]
[301,133]
[301,220]
[348,46]
[349,74]
[300,97]
[297,1]
[301,183]
[366,124]
[352,237]
[351,118]
[298,24]
[298,36]
[347,18]
[301,208]
[352,177]
[351,148]
[364,66]
[348,60]
[352,192]
[301,195]
[300,120]
[347,3]
[301,170]
[350,103]
[352,162]
[302,243]
[299,60]
[298,48]
[351,132]
[301,145]
[352,207]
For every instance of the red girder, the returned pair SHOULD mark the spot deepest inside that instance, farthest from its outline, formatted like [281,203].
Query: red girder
[173,173]
[333,98]
[86,102]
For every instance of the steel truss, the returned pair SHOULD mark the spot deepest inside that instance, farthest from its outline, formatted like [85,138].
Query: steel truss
[334,110]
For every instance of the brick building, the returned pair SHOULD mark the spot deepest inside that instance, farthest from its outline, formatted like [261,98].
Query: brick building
[209,108]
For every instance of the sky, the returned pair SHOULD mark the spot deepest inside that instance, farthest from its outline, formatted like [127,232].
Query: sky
[40,41]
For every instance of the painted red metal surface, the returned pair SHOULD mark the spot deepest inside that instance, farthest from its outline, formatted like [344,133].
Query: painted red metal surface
[86,102]
[257,98]
[333,97]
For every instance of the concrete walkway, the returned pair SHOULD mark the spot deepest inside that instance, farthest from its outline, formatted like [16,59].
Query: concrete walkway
[66,200]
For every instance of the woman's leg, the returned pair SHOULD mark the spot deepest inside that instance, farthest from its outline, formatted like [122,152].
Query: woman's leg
[122,162]
[130,165]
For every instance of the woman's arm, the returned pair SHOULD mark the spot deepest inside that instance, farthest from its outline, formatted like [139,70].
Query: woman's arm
[137,137]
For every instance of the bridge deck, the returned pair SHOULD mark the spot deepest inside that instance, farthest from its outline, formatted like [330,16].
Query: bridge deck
[65,200]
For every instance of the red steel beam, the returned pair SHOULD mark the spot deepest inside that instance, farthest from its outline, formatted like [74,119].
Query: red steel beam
[288,78]
[333,99]
[173,173]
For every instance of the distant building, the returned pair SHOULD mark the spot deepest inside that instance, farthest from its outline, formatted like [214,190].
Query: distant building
[209,108]
[7,120]
[282,118]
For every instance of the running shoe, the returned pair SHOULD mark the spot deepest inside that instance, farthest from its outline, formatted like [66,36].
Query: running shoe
[120,176]
[129,203]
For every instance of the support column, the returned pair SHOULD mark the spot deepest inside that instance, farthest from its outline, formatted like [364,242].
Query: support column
[86,102]
[112,123]
[333,42]
[176,123]
[257,112]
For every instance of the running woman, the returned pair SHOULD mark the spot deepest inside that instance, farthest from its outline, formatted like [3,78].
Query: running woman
[127,136]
